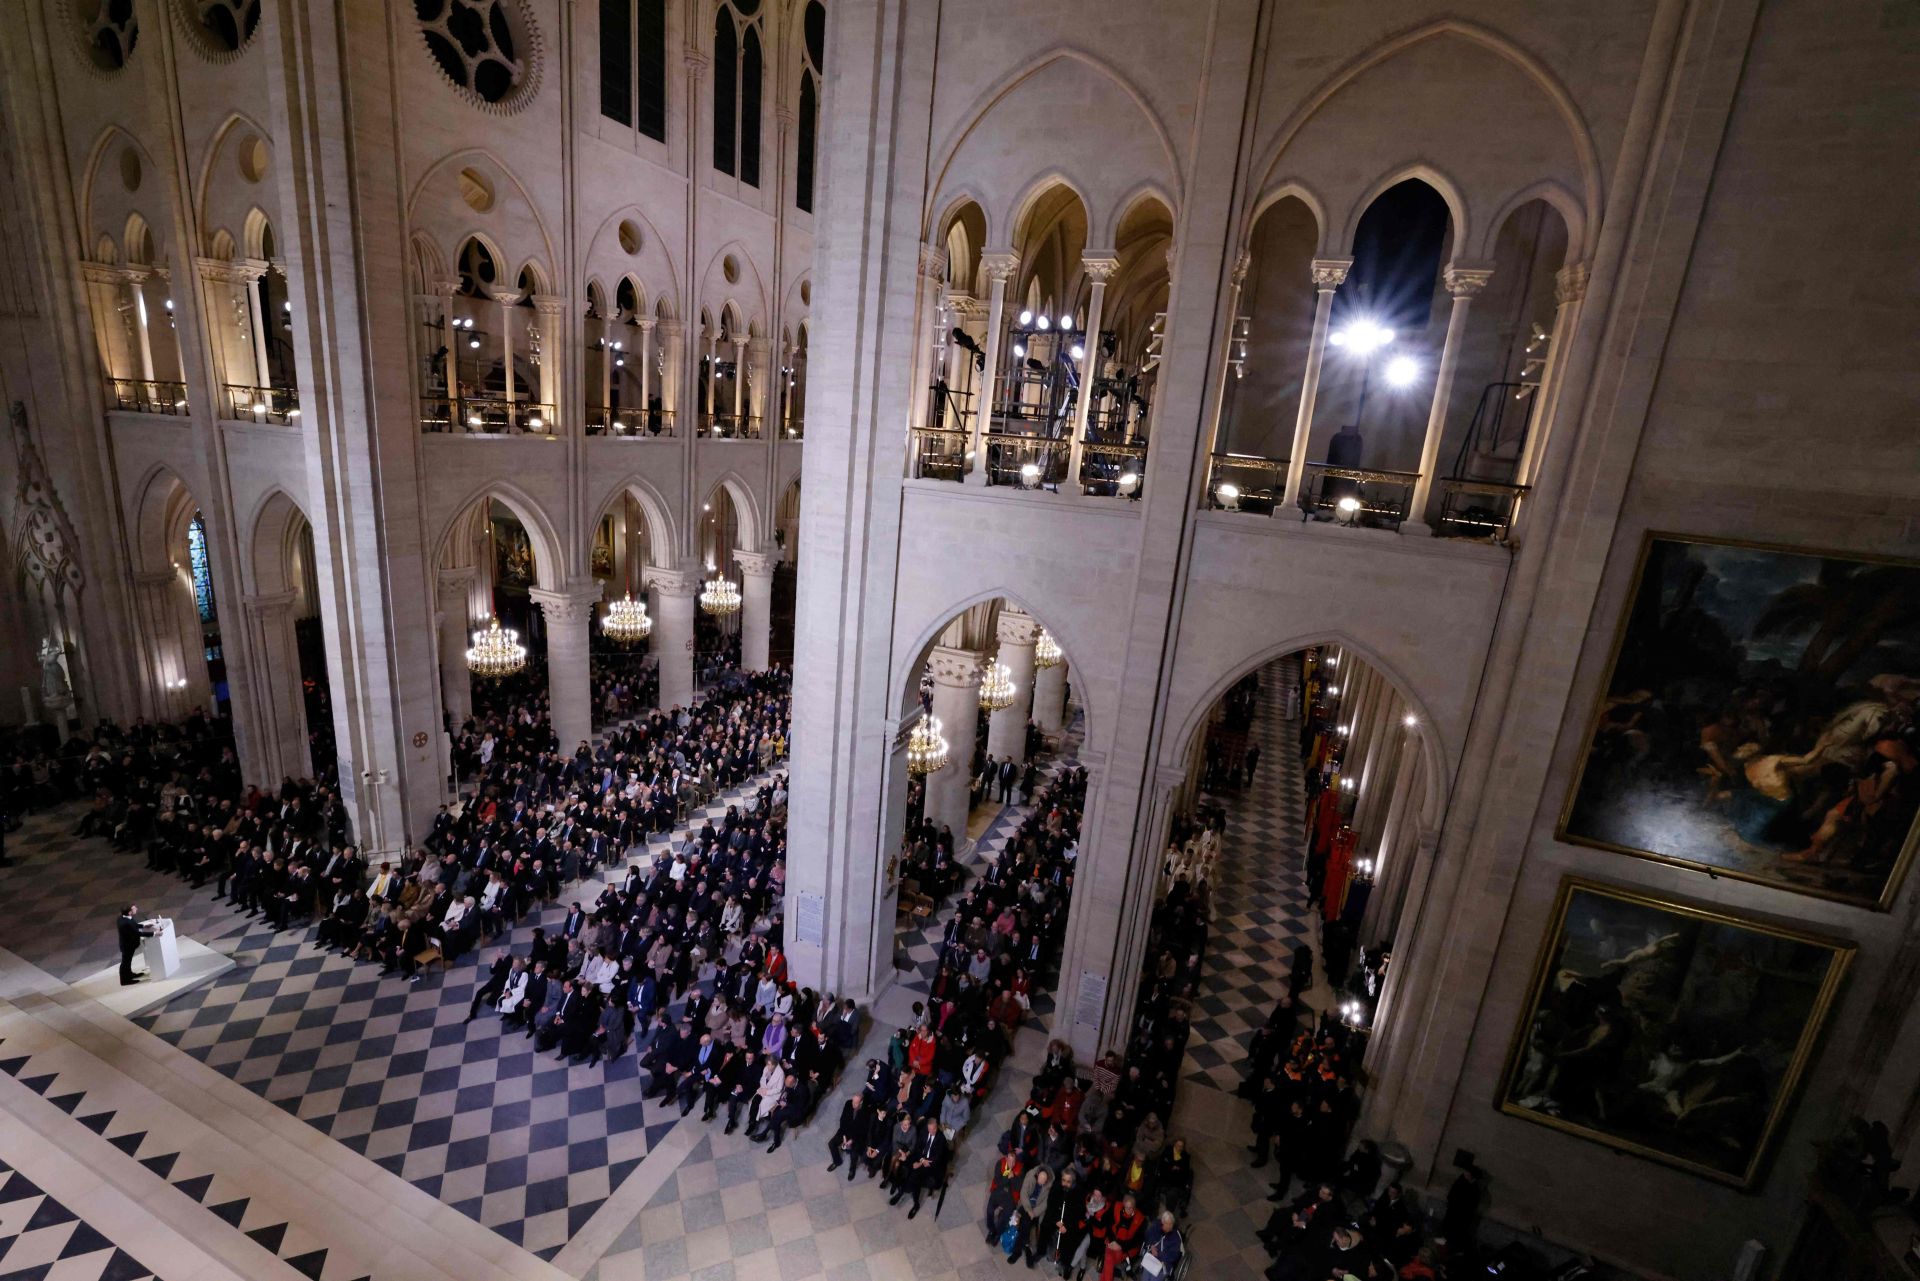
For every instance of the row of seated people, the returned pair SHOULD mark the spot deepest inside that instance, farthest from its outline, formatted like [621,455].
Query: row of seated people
[539,821]
[918,1102]
[39,769]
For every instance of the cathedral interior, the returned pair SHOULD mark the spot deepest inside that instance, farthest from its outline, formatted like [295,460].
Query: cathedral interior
[718,640]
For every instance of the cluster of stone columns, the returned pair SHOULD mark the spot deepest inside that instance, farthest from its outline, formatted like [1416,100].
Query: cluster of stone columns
[1383,773]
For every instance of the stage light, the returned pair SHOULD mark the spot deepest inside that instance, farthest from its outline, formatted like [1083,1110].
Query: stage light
[1402,370]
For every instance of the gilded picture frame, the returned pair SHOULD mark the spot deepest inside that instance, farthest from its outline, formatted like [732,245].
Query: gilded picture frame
[1706,748]
[1708,1021]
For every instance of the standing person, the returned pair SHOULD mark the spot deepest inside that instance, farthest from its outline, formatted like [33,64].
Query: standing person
[1003,1192]
[131,932]
[1462,1223]
[1251,762]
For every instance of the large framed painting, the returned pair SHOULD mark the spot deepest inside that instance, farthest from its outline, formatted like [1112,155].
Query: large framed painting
[1670,1031]
[1760,719]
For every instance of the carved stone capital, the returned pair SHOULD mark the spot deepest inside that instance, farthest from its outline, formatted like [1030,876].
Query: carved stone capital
[1466,282]
[933,261]
[1570,283]
[221,272]
[955,668]
[696,61]
[266,605]
[1100,268]
[673,582]
[569,605]
[549,304]
[443,286]
[755,564]
[103,273]
[1018,629]
[1241,265]
[506,297]
[1331,273]
[457,580]
[1000,265]
[964,304]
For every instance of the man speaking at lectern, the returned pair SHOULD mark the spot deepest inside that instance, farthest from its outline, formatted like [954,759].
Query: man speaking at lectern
[131,932]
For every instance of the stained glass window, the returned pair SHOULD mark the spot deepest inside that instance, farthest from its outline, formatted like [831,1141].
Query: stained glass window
[197,561]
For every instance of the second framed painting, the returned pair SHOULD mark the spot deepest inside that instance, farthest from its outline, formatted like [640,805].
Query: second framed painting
[1672,1031]
[1760,719]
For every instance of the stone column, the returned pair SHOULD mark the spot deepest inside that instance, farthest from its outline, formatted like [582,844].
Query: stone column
[931,280]
[157,595]
[672,608]
[1328,275]
[709,373]
[756,608]
[1007,728]
[739,386]
[550,307]
[442,290]
[956,705]
[569,611]
[455,587]
[283,706]
[999,267]
[252,272]
[507,301]
[143,341]
[1216,410]
[1569,290]
[1050,697]
[1463,283]
[1100,270]
[646,370]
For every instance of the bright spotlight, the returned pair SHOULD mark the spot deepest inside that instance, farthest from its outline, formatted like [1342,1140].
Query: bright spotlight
[1348,505]
[1026,317]
[1020,350]
[1402,370]
[1040,322]
[1079,352]
[1363,337]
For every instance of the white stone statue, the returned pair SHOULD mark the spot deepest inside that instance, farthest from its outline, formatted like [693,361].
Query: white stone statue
[53,674]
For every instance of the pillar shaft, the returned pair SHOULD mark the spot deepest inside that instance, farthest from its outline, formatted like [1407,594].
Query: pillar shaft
[956,705]
[673,593]
[569,678]
[1099,270]
[1000,268]
[933,271]
[456,682]
[1007,729]
[1050,697]
[1463,283]
[1328,275]
[756,609]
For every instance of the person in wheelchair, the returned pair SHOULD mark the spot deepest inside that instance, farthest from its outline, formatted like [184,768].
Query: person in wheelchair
[1163,1247]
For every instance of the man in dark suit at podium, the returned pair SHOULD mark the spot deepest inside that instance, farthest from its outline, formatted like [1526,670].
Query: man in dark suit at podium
[131,932]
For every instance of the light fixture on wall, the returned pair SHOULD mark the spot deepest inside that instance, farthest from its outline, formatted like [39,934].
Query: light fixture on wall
[926,747]
[496,652]
[720,597]
[626,621]
[1046,650]
[996,687]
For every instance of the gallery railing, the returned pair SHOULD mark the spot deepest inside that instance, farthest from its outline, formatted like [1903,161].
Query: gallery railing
[1477,509]
[260,404]
[1112,468]
[1026,461]
[486,416]
[147,396]
[1357,495]
[630,424]
[1245,483]
[730,426]
[939,453]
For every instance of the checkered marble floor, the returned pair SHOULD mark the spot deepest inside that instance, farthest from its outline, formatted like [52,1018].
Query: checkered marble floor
[59,917]
[519,1142]
[1261,909]
[42,1240]
[916,948]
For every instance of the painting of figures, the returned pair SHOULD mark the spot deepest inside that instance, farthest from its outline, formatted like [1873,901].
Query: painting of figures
[1670,1031]
[1759,719]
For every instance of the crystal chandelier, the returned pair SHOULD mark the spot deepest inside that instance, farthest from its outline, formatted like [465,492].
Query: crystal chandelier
[720,597]
[926,747]
[1046,650]
[626,620]
[496,652]
[996,687]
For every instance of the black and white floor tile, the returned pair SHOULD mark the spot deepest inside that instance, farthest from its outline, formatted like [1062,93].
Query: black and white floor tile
[42,1240]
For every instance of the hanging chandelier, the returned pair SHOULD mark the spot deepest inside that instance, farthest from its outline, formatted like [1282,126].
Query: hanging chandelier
[626,621]
[496,652]
[720,597]
[1046,650]
[926,747]
[996,687]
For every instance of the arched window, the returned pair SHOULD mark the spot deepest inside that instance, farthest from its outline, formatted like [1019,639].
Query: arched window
[812,63]
[197,565]
[633,64]
[737,74]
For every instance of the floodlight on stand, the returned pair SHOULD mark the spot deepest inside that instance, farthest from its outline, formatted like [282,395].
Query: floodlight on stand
[1078,352]
[535,422]
[1026,317]
[1129,482]
[1402,370]
[1349,509]
[1229,495]
[1040,322]
[1030,474]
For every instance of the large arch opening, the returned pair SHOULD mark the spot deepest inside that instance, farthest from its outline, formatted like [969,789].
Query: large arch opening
[625,672]
[1267,357]
[289,623]
[984,796]
[1310,787]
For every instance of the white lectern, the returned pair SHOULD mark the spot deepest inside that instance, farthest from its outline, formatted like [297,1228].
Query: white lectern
[161,952]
